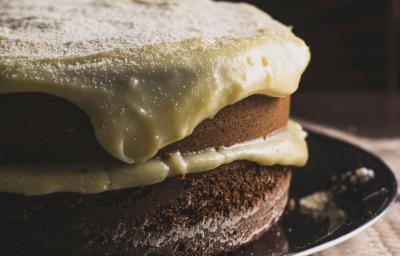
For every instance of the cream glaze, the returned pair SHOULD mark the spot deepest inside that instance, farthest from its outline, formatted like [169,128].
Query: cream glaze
[286,147]
[140,93]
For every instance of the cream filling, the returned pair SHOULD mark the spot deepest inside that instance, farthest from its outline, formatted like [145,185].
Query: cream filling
[286,147]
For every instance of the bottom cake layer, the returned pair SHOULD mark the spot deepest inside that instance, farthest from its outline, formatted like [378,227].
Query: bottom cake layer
[200,214]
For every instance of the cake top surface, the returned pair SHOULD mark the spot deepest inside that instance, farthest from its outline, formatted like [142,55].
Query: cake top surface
[59,28]
[146,72]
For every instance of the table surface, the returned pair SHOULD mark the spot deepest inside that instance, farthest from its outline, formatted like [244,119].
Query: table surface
[383,238]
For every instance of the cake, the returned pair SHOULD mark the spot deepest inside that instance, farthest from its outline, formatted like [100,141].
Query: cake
[147,127]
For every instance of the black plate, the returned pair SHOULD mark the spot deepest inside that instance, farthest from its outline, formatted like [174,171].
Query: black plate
[354,206]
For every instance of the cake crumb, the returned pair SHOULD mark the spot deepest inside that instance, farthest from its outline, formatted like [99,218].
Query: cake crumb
[291,204]
[321,205]
[362,175]
[316,202]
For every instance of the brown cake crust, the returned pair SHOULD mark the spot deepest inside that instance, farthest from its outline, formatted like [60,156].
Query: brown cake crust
[248,119]
[42,128]
[202,214]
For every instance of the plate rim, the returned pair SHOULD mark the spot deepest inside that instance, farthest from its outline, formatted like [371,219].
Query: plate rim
[343,238]
[373,219]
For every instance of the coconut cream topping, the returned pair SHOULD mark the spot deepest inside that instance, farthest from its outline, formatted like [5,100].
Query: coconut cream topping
[146,72]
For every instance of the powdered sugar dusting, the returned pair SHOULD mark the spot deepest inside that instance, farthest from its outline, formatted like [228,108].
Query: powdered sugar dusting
[222,231]
[146,72]
[61,28]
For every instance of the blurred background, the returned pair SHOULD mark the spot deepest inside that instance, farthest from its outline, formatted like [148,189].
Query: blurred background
[352,82]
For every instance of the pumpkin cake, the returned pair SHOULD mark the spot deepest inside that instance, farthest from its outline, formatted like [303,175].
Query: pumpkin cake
[144,127]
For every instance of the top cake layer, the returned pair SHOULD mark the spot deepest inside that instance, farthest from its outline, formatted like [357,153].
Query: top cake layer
[146,72]
[62,28]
